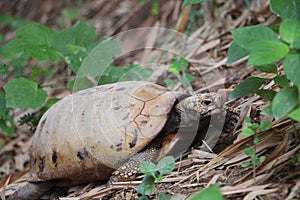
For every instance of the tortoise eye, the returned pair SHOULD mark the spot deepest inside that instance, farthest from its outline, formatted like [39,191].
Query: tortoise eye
[207,102]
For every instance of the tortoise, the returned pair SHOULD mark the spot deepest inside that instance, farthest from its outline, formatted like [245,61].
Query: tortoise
[103,133]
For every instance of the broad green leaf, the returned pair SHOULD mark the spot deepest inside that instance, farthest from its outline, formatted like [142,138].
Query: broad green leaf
[148,168]
[191,2]
[100,58]
[295,114]
[34,40]
[147,185]
[284,101]
[212,192]
[281,80]
[248,86]
[247,131]
[166,165]
[296,44]
[286,8]
[247,35]
[265,126]
[266,52]
[79,35]
[236,52]
[290,30]
[292,68]
[23,93]
[267,68]
[266,94]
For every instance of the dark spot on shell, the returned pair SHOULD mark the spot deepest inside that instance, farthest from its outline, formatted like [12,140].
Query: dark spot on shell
[121,89]
[83,154]
[118,145]
[117,108]
[143,122]
[119,149]
[54,157]
[126,116]
[43,122]
[133,142]
[111,146]
[41,164]
[82,113]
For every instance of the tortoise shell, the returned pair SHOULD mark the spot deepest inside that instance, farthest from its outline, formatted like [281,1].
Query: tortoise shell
[88,134]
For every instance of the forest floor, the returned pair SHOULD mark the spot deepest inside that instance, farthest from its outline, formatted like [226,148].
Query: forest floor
[277,177]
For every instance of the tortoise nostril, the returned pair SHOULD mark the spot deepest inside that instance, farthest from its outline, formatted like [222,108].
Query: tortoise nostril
[207,102]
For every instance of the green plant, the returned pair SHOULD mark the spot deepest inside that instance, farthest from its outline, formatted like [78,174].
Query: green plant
[267,48]
[212,192]
[153,175]
[254,129]
[178,67]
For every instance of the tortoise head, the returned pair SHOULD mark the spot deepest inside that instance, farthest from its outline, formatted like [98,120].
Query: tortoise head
[199,106]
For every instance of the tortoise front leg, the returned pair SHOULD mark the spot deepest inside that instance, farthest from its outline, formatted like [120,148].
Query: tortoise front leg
[32,191]
[132,166]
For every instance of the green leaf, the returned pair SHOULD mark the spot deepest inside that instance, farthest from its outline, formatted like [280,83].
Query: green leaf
[267,68]
[281,80]
[290,30]
[246,164]
[266,94]
[248,86]
[79,35]
[266,52]
[164,196]
[100,58]
[246,35]
[177,65]
[249,152]
[191,2]
[4,70]
[295,114]
[256,139]
[34,40]
[248,131]
[265,126]
[155,7]
[7,125]
[248,120]
[148,168]
[296,44]
[187,79]
[284,101]
[212,192]
[3,110]
[147,185]
[23,93]
[292,68]
[166,165]
[286,9]
[236,52]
